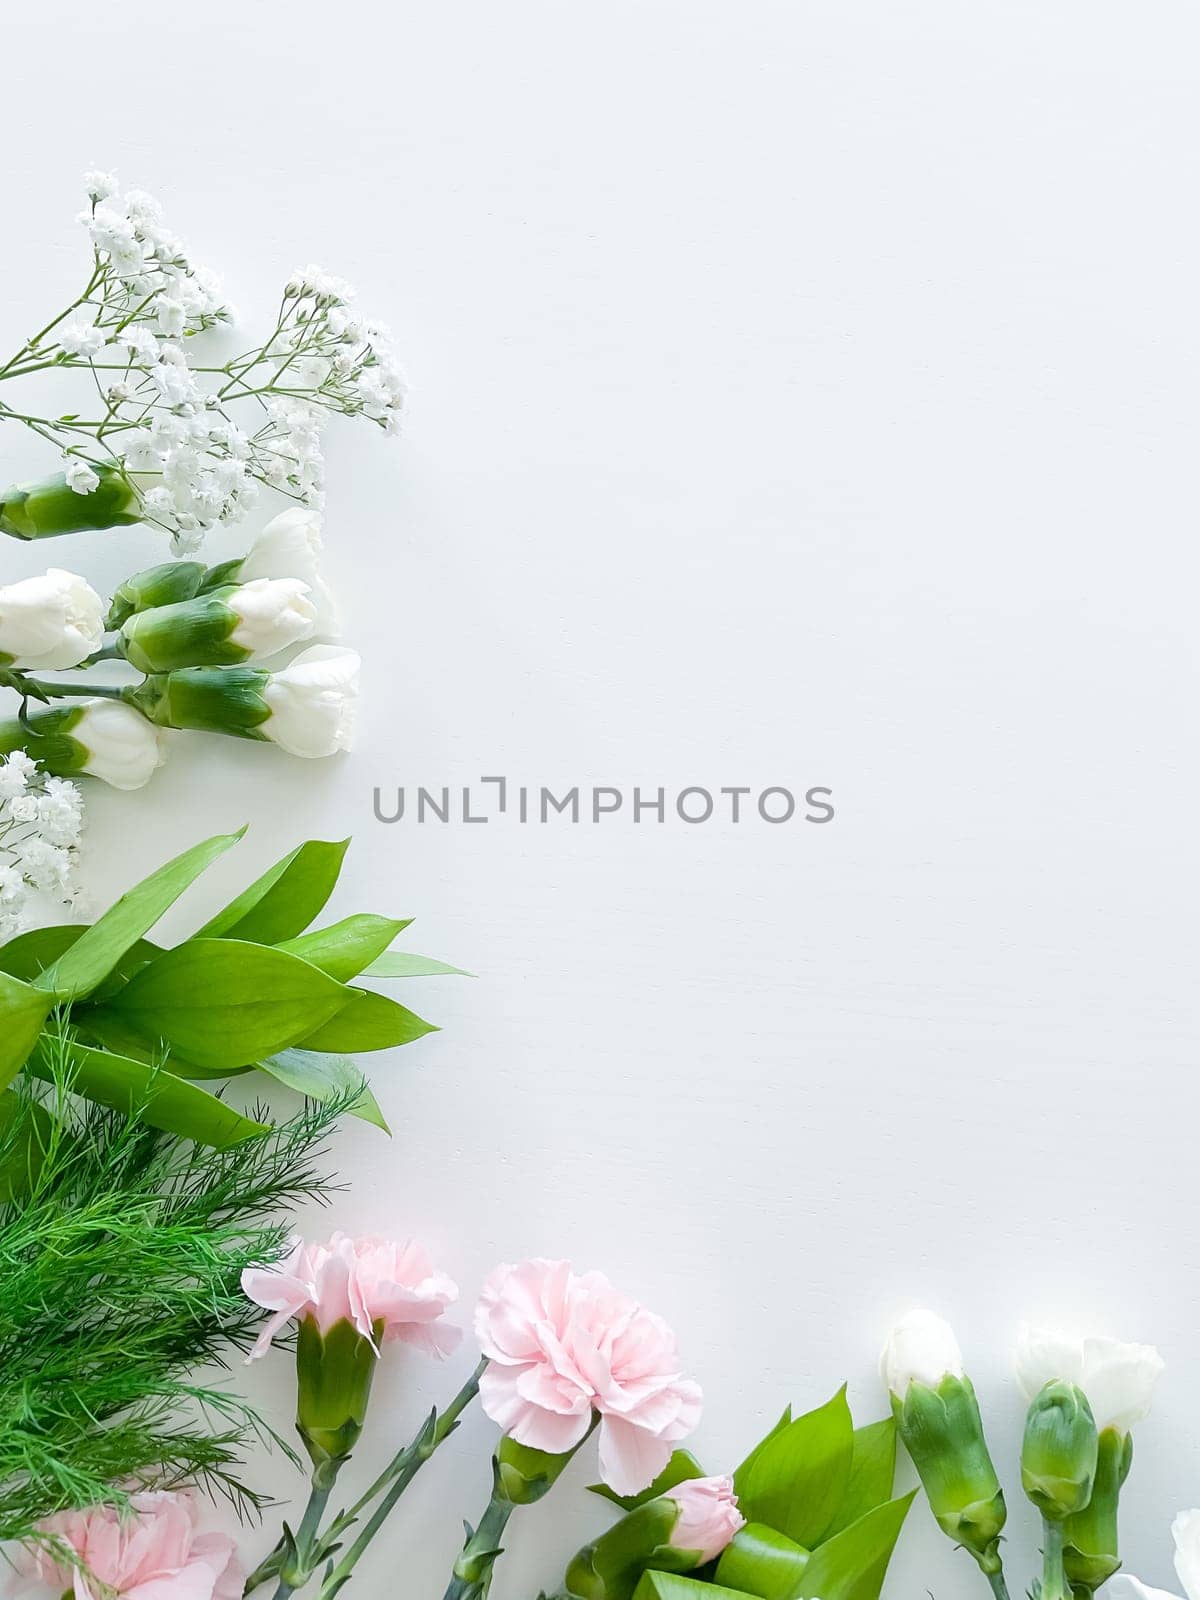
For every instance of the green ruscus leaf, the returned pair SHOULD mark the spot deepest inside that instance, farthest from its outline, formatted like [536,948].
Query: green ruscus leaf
[760,1561]
[96,952]
[872,1473]
[323,1077]
[23,1010]
[853,1564]
[370,1022]
[158,1097]
[673,1586]
[225,1003]
[345,948]
[287,897]
[794,1481]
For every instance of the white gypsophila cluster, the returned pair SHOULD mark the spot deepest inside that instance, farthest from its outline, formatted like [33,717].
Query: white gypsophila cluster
[41,819]
[168,420]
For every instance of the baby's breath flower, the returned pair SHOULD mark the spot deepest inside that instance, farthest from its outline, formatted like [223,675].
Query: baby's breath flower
[41,819]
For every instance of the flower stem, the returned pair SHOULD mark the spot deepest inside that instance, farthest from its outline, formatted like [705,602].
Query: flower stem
[298,1562]
[88,691]
[472,1576]
[395,1478]
[1054,1585]
[999,1587]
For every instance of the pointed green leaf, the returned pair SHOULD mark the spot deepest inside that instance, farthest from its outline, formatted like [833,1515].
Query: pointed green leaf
[97,951]
[872,1473]
[325,1077]
[25,1131]
[796,1480]
[157,1097]
[287,897]
[740,1474]
[853,1564]
[32,952]
[400,964]
[370,1022]
[679,1468]
[672,1586]
[224,1003]
[345,948]
[23,1010]
[761,1561]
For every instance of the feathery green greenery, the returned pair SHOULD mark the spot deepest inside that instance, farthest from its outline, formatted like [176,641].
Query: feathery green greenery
[119,1282]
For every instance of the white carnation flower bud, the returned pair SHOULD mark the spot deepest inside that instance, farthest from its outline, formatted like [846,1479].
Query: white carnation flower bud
[50,622]
[313,702]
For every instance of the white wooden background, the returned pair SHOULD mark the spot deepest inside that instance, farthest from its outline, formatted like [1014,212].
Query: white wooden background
[804,392]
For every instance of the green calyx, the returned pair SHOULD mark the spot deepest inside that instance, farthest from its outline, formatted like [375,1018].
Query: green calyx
[216,699]
[1060,1452]
[46,738]
[1090,1549]
[189,633]
[611,1567]
[45,509]
[334,1371]
[942,1431]
[164,585]
[523,1475]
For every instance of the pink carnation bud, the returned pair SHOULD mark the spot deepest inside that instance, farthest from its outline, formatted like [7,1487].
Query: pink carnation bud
[708,1516]
[560,1348]
[364,1282]
[153,1552]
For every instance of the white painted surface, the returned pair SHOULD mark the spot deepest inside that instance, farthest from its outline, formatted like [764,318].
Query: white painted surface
[804,393]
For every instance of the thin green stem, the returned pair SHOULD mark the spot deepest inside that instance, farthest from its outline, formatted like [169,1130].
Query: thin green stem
[999,1587]
[1054,1586]
[472,1576]
[395,1479]
[88,691]
[295,1571]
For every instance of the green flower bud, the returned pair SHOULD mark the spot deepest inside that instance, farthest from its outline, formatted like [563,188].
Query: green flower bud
[191,633]
[1090,1550]
[334,1372]
[611,1567]
[942,1431]
[216,699]
[1059,1455]
[524,1475]
[163,585]
[42,510]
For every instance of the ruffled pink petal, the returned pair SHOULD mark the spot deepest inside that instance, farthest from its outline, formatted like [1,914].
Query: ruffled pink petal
[437,1339]
[630,1458]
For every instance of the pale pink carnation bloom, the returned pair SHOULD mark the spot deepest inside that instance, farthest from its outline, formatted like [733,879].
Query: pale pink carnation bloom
[362,1281]
[708,1515]
[153,1552]
[560,1347]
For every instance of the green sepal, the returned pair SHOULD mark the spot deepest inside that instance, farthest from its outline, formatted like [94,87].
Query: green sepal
[225,1003]
[164,585]
[1060,1450]
[50,507]
[795,1479]
[1090,1548]
[524,1475]
[285,899]
[610,1567]
[190,633]
[211,699]
[46,738]
[334,1371]
[761,1561]
[942,1431]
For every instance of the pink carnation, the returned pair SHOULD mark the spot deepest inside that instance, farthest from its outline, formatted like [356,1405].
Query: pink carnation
[560,1348]
[708,1516]
[363,1281]
[153,1552]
